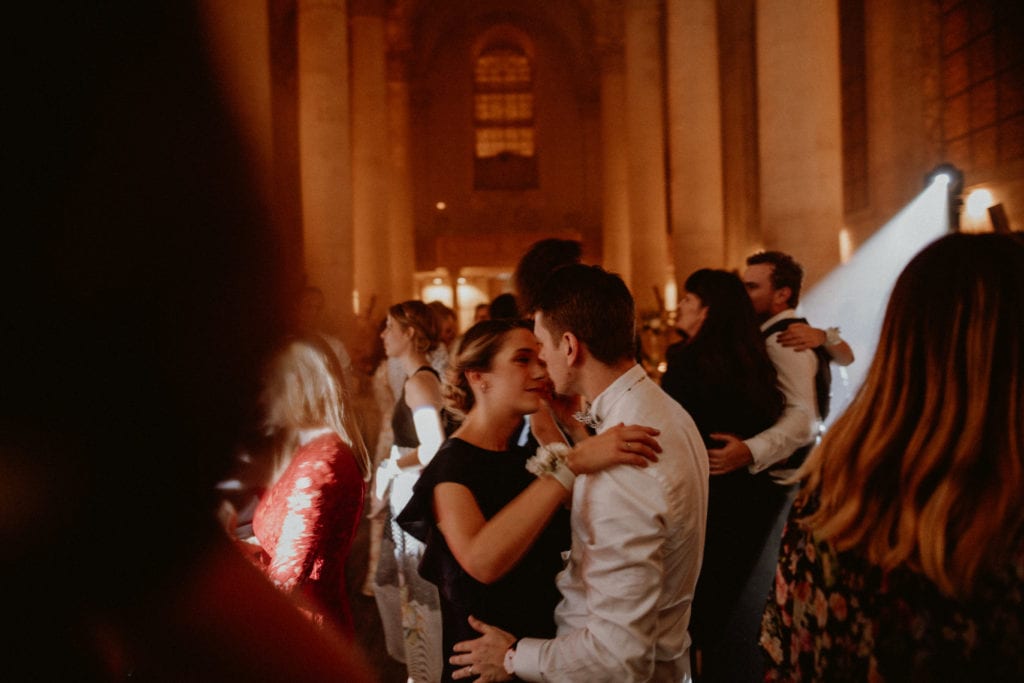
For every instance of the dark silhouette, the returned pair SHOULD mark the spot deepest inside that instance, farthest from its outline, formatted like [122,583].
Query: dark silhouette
[136,318]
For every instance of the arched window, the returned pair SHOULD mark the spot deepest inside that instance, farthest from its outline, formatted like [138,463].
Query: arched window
[503,106]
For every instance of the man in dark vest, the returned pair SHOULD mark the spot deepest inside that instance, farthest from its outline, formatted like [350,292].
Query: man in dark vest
[801,358]
[801,355]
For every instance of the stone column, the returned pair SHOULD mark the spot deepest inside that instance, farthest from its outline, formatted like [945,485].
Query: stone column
[370,155]
[325,150]
[240,46]
[800,130]
[695,137]
[615,174]
[902,81]
[645,140]
[401,231]
[253,48]
[738,87]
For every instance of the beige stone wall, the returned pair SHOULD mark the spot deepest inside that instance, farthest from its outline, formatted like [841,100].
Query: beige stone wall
[568,148]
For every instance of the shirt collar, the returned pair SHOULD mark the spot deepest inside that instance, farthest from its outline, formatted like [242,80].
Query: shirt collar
[781,315]
[616,390]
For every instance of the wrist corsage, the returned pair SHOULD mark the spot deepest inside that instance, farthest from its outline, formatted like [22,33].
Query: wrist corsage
[832,337]
[550,461]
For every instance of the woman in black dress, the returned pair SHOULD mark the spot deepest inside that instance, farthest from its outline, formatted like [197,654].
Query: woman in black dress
[503,578]
[723,377]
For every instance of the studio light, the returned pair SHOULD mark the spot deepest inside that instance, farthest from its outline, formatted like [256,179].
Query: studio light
[946,174]
[952,178]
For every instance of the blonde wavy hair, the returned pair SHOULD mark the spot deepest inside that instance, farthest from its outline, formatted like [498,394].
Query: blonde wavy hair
[926,468]
[303,389]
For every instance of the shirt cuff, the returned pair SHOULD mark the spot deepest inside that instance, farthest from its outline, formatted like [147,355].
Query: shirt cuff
[527,659]
[757,455]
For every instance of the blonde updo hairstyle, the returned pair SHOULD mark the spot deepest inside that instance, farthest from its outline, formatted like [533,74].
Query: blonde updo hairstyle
[418,317]
[475,351]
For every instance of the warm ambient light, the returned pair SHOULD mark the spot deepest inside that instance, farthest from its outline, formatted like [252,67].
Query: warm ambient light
[671,295]
[845,245]
[441,206]
[462,280]
[438,280]
[977,203]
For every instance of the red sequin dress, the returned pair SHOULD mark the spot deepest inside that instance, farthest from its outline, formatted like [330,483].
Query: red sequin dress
[306,523]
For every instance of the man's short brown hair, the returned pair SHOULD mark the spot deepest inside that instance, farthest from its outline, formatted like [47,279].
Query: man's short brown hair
[594,305]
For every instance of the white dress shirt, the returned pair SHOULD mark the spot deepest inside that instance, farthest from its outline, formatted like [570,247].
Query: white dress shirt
[797,426]
[637,544]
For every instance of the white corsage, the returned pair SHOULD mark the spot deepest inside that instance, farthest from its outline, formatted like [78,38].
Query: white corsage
[550,460]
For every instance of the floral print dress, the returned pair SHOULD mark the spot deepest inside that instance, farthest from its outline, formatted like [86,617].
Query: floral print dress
[833,617]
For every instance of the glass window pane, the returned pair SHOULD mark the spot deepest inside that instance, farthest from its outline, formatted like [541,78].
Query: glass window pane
[503,103]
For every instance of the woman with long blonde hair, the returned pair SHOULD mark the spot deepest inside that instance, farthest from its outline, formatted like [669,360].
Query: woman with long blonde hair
[306,521]
[904,555]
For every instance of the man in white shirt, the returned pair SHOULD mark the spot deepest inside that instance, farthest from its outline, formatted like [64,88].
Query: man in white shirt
[637,533]
[773,282]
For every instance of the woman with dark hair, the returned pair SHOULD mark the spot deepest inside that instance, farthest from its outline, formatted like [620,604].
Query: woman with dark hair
[903,559]
[723,377]
[502,574]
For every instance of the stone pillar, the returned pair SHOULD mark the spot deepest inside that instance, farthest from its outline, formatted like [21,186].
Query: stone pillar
[695,137]
[615,174]
[645,140]
[615,244]
[253,50]
[325,151]
[800,130]
[240,46]
[738,87]
[370,155]
[401,230]
[901,83]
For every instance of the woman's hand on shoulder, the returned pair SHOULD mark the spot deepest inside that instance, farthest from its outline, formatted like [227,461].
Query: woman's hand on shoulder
[621,445]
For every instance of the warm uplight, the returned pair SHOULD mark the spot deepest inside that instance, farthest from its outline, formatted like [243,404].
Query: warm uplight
[977,203]
[355,301]
[845,245]
[441,206]
[462,280]
[437,281]
[435,292]
[671,296]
